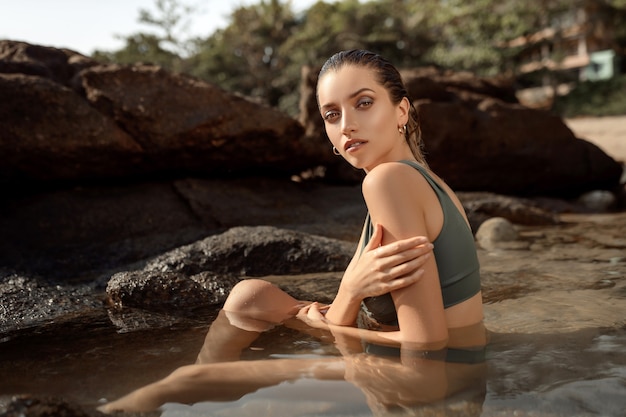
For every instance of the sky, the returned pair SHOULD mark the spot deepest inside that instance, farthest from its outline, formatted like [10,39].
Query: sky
[88,25]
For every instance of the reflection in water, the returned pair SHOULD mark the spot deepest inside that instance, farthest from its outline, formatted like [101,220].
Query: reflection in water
[391,379]
[580,373]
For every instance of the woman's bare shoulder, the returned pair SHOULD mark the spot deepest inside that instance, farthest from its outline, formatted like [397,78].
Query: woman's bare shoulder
[389,176]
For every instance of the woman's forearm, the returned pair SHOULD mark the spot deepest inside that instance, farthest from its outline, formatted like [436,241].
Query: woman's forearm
[370,336]
[395,338]
[344,309]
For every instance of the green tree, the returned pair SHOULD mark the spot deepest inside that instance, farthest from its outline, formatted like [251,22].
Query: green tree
[141,47]
[244,56]
[172,19]
[383,26]
[166,48]
[473,35]
[387,27]
[262,50]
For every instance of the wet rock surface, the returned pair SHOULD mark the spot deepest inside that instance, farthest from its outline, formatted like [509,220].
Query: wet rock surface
[25,406]
[168,291]
[257,251]
[581,261]
[29,303]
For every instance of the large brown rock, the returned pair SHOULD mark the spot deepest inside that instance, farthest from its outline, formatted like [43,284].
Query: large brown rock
[448,86]
[79,232]
[58,65]
[48,132]
[257,251]
[188,125]
[167,290]
[479,138]
[66,117]
[511,149]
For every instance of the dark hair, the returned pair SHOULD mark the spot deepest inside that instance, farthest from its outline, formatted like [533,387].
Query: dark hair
[389,77]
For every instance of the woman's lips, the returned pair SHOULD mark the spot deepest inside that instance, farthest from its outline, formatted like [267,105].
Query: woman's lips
[354,144]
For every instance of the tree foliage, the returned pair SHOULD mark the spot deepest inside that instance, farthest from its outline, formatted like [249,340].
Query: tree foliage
[245,56]
[167,48]
[262,50]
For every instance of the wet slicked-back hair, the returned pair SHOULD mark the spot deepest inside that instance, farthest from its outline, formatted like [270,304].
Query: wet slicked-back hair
[388,77]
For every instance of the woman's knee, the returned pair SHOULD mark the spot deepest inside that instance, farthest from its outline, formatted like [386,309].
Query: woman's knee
[256,295]
[245,294]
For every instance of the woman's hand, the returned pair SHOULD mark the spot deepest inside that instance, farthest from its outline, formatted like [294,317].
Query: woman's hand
[313,315]
[382,269]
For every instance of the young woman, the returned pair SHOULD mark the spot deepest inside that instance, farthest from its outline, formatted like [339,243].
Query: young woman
[372,123]
[394,298]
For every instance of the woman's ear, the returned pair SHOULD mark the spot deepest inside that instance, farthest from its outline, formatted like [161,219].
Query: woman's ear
[403,111]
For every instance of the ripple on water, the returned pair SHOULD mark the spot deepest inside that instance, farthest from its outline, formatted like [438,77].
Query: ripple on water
[574,374]
[556,312]
[578,373]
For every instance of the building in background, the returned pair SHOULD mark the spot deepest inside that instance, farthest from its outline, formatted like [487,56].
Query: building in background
[578,44]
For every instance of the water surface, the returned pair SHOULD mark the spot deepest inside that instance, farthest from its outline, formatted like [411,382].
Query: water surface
[581,373]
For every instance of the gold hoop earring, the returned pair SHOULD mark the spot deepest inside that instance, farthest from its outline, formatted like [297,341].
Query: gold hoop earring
[336,151]
[402,130]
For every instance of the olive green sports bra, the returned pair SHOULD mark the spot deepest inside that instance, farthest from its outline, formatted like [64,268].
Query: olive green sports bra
[455,255]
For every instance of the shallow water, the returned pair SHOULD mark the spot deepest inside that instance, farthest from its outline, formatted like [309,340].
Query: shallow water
[574,374]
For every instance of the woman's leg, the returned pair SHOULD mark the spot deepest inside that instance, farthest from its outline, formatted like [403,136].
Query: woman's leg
[252,307]
[260,301]
[224,381]
[224,341]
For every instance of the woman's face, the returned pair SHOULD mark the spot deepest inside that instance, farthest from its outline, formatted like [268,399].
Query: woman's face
[360,119]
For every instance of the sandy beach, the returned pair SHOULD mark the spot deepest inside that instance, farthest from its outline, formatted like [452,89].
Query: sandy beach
[608,132]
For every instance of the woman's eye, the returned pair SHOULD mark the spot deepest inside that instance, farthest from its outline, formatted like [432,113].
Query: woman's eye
[365,102]
[331,115]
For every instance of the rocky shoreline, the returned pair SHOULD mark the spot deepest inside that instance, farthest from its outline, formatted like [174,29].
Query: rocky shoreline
[530,252]
[543,280]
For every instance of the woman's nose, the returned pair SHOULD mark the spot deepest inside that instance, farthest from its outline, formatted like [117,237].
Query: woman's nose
[348,124]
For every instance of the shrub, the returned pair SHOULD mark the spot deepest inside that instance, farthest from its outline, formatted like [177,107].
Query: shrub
[594,98]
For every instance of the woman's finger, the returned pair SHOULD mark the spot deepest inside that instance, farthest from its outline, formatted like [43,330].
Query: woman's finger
[406,280]
[403,245]
[304,311]
[314,312]
[409,267]
[409,260]
[376,239]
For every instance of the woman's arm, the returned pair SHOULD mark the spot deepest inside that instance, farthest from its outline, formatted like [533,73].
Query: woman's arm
[312,315]
[378,270]
[399,199]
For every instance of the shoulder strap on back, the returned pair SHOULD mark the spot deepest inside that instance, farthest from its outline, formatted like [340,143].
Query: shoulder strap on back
[426,175]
